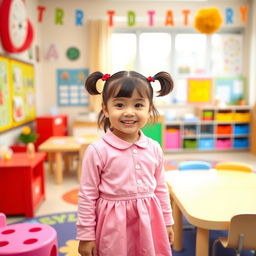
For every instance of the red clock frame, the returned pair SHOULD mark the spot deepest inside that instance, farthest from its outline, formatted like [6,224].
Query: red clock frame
[5,32]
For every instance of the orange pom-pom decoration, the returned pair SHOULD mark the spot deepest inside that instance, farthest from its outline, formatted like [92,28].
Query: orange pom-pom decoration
[208,20]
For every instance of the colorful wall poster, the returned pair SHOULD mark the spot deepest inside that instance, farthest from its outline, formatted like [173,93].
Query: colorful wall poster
[230,90]
[70,87]
[5,95]
[23,92]
[17,93]
[199,90]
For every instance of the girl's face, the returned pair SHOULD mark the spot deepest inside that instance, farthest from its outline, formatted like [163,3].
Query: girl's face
[127,115]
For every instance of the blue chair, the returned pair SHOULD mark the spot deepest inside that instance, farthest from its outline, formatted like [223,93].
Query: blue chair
[194,165]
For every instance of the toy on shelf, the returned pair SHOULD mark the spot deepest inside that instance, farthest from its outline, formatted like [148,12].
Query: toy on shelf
[5,153]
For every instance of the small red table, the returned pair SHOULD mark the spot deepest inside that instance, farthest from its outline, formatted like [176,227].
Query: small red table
[22,184]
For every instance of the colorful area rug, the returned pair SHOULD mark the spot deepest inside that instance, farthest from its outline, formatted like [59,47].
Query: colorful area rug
[64,224]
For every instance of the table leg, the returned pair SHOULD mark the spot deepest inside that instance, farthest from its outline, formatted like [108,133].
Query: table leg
[50,162]
[177,227]
[202,242]
[58,170]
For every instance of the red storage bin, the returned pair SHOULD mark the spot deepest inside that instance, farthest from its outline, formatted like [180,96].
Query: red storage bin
[224,129]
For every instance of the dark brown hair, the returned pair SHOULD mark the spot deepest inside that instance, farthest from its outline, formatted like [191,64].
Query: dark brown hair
[122,84]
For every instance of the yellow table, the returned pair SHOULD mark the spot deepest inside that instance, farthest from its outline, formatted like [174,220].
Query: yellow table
[63,144]
[208,199]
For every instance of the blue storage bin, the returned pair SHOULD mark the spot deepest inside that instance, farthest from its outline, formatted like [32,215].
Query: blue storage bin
[206,143]
[241,143]
[241,129]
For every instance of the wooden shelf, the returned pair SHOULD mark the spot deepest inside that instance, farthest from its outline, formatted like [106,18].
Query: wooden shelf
[228,130]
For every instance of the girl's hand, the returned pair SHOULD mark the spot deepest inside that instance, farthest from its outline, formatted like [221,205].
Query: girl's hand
[170,234]
[87,248]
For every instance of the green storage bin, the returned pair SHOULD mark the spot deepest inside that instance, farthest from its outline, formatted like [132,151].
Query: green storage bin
[190,144]
[154,132]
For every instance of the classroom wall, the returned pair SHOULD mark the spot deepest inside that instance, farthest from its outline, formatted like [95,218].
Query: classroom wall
[9,137]
[68,34]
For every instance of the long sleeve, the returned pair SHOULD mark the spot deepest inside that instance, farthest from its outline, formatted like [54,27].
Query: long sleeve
[161,190]
[88,195]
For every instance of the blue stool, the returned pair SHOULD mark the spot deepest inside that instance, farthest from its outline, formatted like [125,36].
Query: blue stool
[194,165]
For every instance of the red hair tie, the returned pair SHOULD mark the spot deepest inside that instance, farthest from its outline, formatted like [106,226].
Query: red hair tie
[105,77]
[151,79]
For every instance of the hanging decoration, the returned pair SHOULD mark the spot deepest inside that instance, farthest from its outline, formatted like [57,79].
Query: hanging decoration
[52,53]
[208,20]
[171,17]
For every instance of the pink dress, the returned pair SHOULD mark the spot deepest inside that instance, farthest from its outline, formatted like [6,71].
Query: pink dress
[123,199]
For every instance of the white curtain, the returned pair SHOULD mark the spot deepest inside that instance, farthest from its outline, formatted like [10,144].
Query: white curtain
[99,54]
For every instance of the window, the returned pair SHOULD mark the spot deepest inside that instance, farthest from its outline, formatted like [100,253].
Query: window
[184,55]
[190,54]
[154,53]
[123,51]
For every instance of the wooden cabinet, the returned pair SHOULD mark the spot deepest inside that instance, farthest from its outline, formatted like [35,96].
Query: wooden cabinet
[22,184]
[253,131]
[216,129]
[48,126]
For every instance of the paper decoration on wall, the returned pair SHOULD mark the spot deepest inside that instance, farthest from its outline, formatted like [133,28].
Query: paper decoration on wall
[52,53]
[23,92]
[199,90]
[208,20]
[230,90]
[230,15]
[151,18]
[37,53]
[73,53]
[17,93]
[40,10]
[5,99]
[71,91]
[79,18]
[59,14]
[131,19]
[232,50]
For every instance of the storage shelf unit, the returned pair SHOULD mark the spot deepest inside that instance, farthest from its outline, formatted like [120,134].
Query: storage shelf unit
[47,126]
[217,129]
[253,131]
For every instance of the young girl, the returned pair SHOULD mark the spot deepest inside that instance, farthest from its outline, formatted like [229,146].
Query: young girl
[124,207]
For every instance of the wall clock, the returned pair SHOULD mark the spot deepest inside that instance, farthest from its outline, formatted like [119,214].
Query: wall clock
[16,31]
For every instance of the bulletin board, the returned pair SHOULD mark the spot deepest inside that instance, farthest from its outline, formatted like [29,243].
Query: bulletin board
[199,90]
[70,87]
[5,92]
[17,93]
[230,90]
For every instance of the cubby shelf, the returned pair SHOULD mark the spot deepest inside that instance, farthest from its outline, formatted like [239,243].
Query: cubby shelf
[217,129]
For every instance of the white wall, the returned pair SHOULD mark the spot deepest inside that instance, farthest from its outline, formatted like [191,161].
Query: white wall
[67,35]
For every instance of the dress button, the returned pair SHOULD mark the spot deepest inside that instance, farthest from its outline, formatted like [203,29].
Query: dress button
[139,182]
[137,166]
[135,151]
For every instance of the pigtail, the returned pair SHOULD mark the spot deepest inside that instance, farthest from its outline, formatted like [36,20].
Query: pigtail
[165,81]
[91,82]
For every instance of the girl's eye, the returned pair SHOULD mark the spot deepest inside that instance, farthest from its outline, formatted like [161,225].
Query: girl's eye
[138,105]
[119,105]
